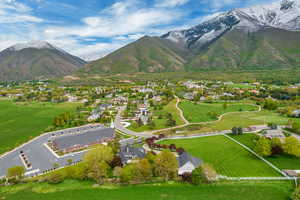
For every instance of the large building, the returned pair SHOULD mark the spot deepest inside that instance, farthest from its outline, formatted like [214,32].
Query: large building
[77,141]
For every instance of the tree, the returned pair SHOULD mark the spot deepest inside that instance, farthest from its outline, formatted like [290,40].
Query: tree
[16,172]
[197,176]
[263,147]
[98,154]
[292,146]
[55,165]
[166,165]
[144,169]
[98,171]
[69,161]
[270,104]
[127,173]
[116,162]
[276,146]
[296,194]
[225,106]
[97,161]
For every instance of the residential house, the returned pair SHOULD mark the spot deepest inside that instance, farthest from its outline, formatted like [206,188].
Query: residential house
[275,133]
[187,163]
[296,113]
[129,153]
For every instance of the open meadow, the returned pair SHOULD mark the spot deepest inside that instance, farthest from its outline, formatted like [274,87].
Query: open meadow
[74,190]
[22,121]
[205,112]
[227,157]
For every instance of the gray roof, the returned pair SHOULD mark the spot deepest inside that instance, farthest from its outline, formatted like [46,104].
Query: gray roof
[128,153]
[82,139]
[185,158]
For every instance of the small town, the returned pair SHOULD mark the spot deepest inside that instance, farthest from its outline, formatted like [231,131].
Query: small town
[150,100]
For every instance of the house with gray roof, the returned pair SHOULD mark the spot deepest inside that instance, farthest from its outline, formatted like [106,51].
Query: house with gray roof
[187,163]
[129,153]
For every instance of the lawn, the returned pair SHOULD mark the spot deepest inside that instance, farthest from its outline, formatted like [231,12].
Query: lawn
[227,157]
[282,161]
[74,190]
[20,122]
[243,119]
[201,112]
[161,123]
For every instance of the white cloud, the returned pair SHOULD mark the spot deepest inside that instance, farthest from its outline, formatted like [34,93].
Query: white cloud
[122,18]
[12,11]
[171,3]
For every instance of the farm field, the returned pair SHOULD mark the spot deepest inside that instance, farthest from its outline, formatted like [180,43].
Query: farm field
[243,119]
[204,112]
[227,157]
[161,123]
[74,190]
[282,161]
[20,122]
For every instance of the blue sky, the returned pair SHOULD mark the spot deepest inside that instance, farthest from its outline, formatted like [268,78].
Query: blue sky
[94,28]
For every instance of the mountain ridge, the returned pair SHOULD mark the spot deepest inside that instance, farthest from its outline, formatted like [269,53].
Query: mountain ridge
[34,60]
[266,32]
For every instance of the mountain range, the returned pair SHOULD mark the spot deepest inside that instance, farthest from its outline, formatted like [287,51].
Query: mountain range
[259,37]
[36,60]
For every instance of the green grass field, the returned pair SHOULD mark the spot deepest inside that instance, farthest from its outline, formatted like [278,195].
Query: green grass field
[282,161]
[74,190]
[161,123]
[227,157]
[20,122]
[200,112]
[243,119]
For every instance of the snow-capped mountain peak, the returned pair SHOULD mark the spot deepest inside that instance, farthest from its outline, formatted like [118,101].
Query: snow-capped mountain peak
[284,14]
[32,44]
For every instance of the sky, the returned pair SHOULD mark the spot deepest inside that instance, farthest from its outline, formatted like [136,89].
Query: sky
[93,28]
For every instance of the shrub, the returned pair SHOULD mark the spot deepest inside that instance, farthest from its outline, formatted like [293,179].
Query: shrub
[296,194]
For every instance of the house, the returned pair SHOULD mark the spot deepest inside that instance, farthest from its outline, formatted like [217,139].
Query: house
[96,113]
[188,96]
[187,163]
[129,153]
[296,113]
[275,133]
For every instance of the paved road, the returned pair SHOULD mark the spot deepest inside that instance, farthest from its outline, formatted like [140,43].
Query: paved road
[39,155]
[120,127]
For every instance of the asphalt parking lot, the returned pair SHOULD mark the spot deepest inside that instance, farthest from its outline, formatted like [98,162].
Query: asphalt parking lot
[40,157]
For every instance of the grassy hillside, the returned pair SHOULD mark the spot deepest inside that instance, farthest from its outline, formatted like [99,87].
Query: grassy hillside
[263,50]
[20,122]
[148,54]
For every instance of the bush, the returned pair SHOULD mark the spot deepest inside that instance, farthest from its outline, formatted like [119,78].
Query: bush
[55,177]
[296,194]
[187,177]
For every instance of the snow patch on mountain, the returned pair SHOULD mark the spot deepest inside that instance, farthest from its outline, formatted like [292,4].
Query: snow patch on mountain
[33,44]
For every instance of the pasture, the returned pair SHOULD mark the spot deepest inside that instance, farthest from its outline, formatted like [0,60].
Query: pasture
[205,112]
[227,157]
[23,121]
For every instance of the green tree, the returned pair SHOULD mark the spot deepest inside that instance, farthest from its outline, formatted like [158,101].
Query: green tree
[292,146]
[98,171]
[144,169]
[197,176]
[16,172]
[55,177]
[166,165]
[263,147]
